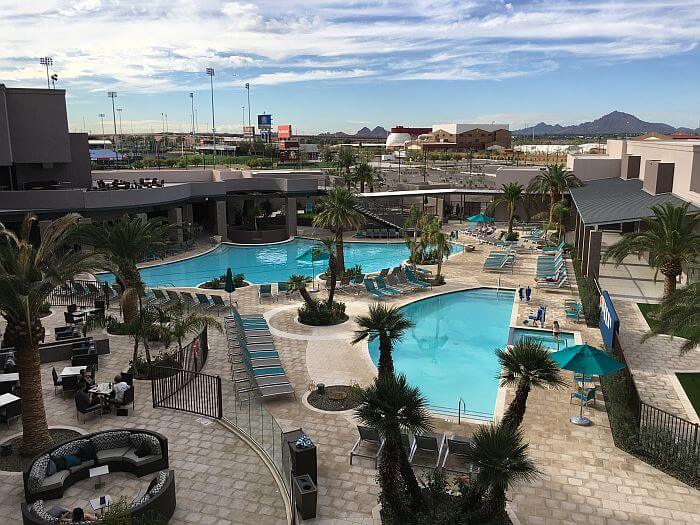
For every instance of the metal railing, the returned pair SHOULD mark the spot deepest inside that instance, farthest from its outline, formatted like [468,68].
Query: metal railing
[187,391]
[80,293]
[460,412]
[680,430]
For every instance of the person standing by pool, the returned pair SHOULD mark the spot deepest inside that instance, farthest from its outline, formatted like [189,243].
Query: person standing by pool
[555,332]
[520,293]
[528,292]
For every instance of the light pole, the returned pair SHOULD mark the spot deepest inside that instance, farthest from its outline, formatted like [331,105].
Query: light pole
[54,78]
[121,130]
[210,72]
[102,117]
[47,61]
[113,95]
[243,108]
[166,123]
[192,103]
[162,121]
[247,88]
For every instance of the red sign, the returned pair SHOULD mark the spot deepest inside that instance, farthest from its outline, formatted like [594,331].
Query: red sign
[284,131]
[249,131]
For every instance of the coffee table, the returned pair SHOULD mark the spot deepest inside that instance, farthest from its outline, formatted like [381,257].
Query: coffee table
[98,472]
[97,505]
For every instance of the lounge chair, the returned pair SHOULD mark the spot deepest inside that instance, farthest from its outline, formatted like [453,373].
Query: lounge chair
[551,249]
[204,301]
[384,234]
[217,302]
[265,292]
[428,444]
[360,234]
[457,448]
[173,296]
[584,397]
[574,313]
[408,443]
[382,286]
[372,290]
[393,281]
[368,436]
[552,285]
[189,299]
[413,279]
[284,288]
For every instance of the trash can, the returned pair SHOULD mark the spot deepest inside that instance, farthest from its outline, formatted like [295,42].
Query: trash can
[298,461]
[305,494]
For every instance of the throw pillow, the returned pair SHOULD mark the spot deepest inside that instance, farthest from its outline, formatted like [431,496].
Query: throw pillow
[51,469]
[60,463]
[87,452]
[143,451]
[152,484]
[71,460]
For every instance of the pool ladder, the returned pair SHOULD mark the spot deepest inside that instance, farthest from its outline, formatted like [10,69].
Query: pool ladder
[460,404]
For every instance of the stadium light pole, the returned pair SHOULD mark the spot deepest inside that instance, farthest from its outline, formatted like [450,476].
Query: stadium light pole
[166,123]
[243,108]
[102,117]
[113,95]
[247,88]
[47,61]
[162,121]
[192,108]
[210,72]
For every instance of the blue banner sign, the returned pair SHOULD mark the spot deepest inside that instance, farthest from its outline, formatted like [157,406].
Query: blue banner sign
[609,323]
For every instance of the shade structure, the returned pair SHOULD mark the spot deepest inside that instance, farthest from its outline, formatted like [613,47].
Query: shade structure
[228,285]
[589,361]
[480,217]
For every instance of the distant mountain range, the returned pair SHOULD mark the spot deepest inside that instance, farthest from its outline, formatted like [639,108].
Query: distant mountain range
[376,133]
[613,123]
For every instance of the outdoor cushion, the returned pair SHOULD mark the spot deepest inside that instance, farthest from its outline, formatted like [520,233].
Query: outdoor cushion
[111,454]
[107,440]
[72,460]
[137,440]
[51,468]
[71,447]
[132,457]
[83,465]
[161,478]
[55,481]
[39,510]
[87,451]
[38,473]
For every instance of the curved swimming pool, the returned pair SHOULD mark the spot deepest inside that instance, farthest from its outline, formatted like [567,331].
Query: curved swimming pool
[269,263]
[449,353]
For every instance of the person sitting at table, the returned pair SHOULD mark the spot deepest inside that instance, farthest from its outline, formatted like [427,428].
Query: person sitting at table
[117,394]
[86,378]
[84,399]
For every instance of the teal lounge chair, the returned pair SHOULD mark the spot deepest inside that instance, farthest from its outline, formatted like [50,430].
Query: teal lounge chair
[551,249]
[382,286]
[372,290]
[265,292]
[415,280]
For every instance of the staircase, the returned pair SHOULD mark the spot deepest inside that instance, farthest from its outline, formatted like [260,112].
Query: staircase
[383,219]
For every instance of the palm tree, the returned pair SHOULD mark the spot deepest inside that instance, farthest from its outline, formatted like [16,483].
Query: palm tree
[364,174]
[436,239]
[183,322]
[526,365]
[329,248]
[298,283]
[553,181]
[389,325]
[391,406]
[346,158]
[414,219]
[560,211]
[28,275]
[337,213]
[670,238]
[123,243]
[500,459]
[680,316]
[513,193]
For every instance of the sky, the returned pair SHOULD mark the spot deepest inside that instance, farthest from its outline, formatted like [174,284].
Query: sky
[330,65]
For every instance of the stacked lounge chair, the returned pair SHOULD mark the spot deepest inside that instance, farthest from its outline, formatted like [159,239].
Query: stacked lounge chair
[551,271]
[499,260]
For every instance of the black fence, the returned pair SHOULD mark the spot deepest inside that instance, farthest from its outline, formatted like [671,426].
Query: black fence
[80,293]
[194,356]
[188,391]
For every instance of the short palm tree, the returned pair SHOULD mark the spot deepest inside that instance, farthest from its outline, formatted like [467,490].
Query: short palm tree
[560,211]
[28,275]
[392,407]
[414,220]
[183,322]
[525,365]
[386,323]
[680,316]
[298,283]
[500,459]
[553,181]
[122,244]
[670,238]
[346,159]
[364,174]
[337,213]
[328,247]
[435,239]
[513,193]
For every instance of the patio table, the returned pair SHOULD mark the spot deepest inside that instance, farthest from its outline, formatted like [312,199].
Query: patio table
[9,378]
[6,399]
[72,371]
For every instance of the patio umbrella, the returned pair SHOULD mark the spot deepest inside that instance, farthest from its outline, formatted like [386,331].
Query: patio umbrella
[228,285]
[480,217]
[312,255]
[586,360]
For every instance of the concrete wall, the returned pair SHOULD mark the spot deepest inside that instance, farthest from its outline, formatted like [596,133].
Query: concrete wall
[506,175]
[170,176]
[5,148]
[593,167]
[80,160]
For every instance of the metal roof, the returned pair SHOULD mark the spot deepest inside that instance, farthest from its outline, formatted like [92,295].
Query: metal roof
[417,193]
[609,201]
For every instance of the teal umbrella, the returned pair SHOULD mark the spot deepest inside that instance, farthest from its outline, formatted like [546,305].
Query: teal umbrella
[228,285]
[312,255]
[480,217]
[589,361]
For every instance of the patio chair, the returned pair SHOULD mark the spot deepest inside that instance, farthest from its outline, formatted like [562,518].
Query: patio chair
[368,436]
[11,411]
[85,411]
[430,444]
[384,234]
[160,297]
[360,234]
[265,292]
[384,272]
[394,283]
[173,296]
[57,381]
[189,299]
[574,313]
[283,287]
[203,301]
[457,449]
[584,397]
[413,279]
[70,384]
[372,290]
[218,302]
[382,287]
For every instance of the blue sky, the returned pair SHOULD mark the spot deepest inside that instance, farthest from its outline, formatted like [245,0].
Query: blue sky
[342,64]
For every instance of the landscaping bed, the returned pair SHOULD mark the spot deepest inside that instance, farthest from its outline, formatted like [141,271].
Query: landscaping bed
[334,399]
[16,463]
[649,312]
[691,385]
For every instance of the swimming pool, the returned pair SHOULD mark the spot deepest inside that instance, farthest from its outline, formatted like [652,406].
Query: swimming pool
[566,339]
[450,352]
[268,263]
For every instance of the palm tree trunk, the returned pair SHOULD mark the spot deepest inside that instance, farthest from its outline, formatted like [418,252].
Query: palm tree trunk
[441,256]
[134,358]
[334,278]
[362,186]
[511,215]
[669,286]
[340,255]
[516,410]
[388,477]
[409,477]
[552,202]
[35,430]
[131,295]
[386,363]
[307,298]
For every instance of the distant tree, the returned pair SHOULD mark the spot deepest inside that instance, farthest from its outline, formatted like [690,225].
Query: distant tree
[512,194]
[346,159]
[553,181]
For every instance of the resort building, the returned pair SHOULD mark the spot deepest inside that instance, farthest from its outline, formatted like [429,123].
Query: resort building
[450,137]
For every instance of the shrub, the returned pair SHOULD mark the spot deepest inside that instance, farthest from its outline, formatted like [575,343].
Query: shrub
[512,236]
[220,282]
[322,313]
[162,359]
[588,291]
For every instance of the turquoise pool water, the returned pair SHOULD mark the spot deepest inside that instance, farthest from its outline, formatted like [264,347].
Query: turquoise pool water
[268,263]
[450,351]
[566,339]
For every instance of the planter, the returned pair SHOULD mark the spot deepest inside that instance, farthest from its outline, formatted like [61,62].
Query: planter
[333,323]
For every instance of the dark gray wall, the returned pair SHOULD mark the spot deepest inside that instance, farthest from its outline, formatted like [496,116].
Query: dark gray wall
[5,150]
[80,160]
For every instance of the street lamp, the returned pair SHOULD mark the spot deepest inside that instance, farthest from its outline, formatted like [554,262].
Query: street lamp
[121,130]
[46,61]
[243,108]
[166,123]
[247,88]
[102,117]
[210,72]
[192,102]
[54,78]
[113,95]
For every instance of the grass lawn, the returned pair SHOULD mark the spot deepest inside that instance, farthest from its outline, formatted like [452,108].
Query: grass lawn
[691,385]
[648,309]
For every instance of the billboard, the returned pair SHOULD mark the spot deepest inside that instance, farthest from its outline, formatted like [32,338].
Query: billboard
[249,131]
[264,121]
[284,131]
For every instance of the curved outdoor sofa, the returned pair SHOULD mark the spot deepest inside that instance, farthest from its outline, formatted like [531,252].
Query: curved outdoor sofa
[158,501]
[137,451]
